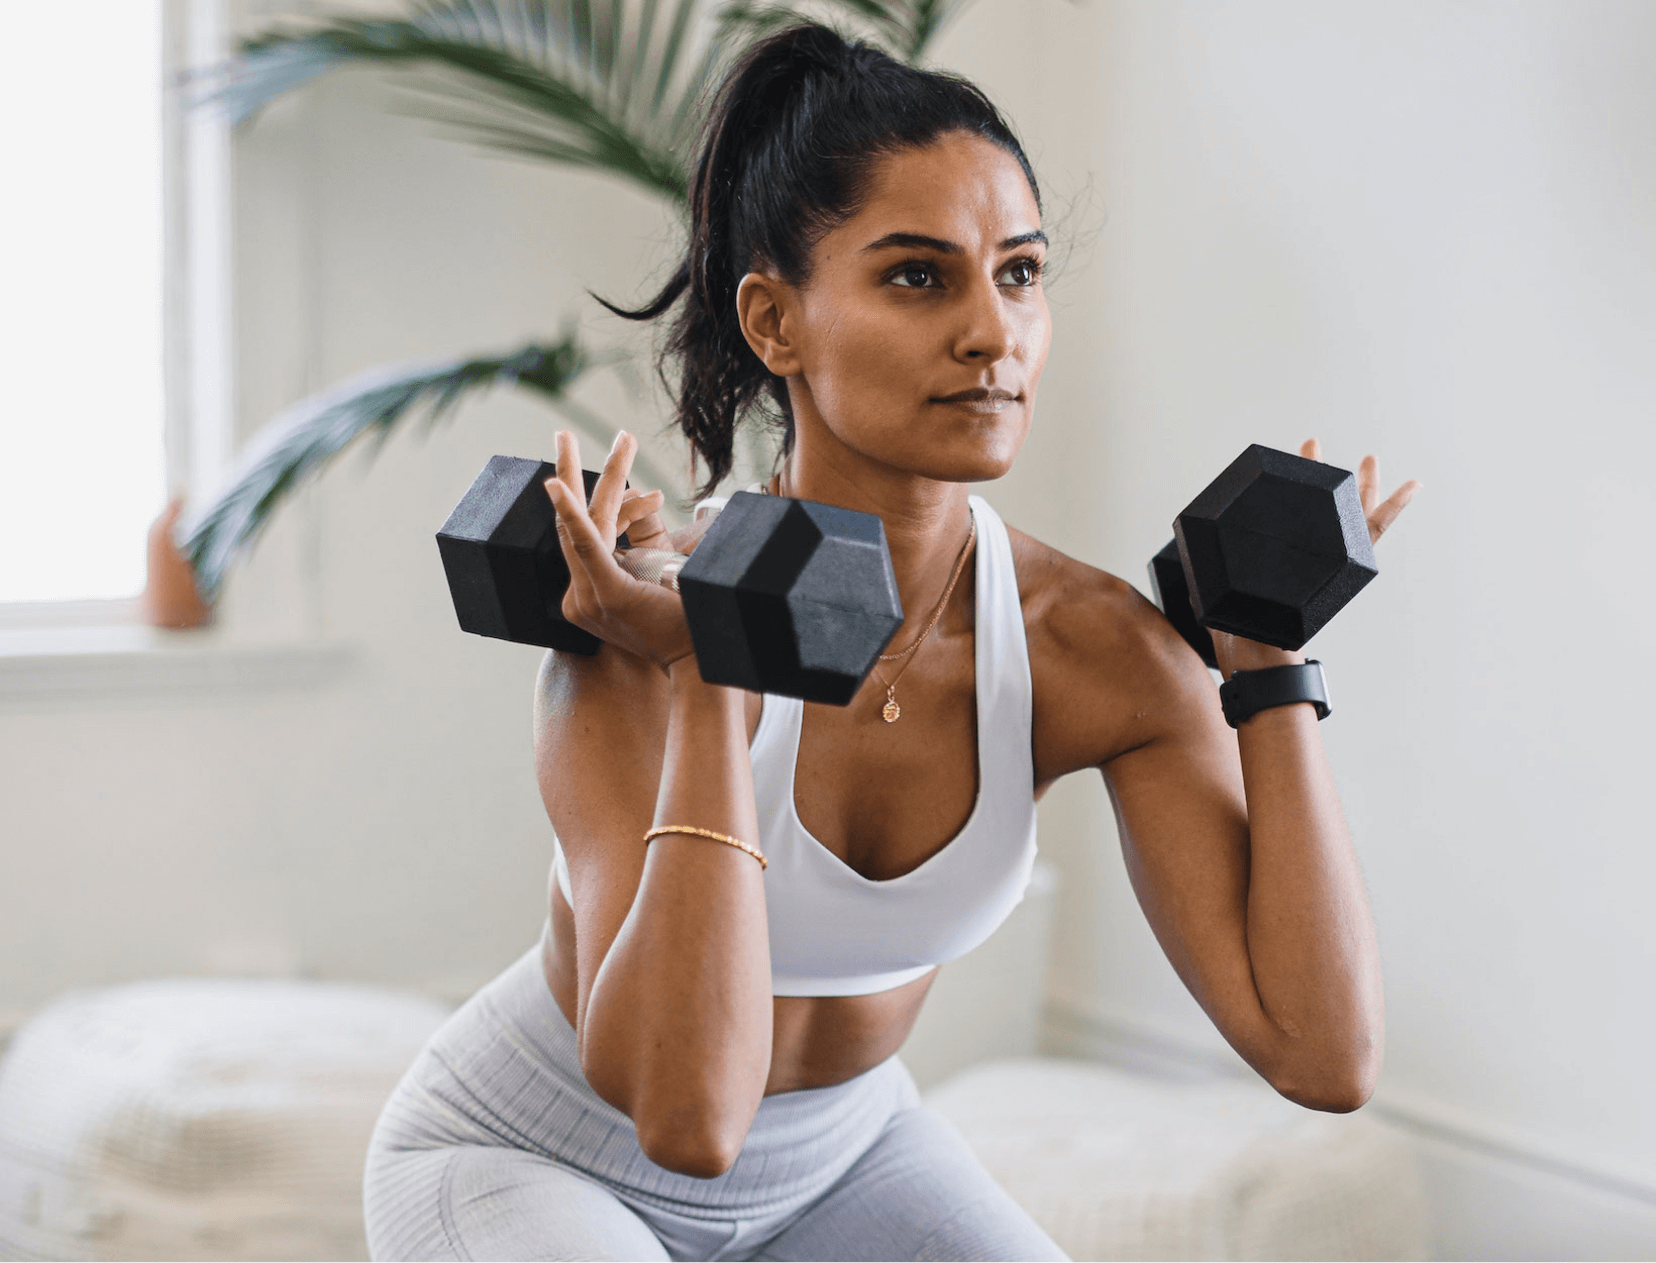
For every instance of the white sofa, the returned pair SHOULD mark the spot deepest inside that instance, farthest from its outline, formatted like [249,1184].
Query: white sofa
[199,1119]
[1118,1165]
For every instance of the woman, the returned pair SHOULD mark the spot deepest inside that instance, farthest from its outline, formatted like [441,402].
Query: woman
[699,1060]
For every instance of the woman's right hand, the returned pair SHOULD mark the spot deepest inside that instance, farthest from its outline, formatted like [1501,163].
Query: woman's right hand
[641,618]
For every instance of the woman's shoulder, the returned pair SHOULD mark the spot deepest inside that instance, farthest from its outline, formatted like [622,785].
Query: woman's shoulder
[609,699]
[1080,608]
[1104,661]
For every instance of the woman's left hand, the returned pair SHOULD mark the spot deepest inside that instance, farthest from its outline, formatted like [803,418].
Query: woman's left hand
[1380,513]
[1235,653]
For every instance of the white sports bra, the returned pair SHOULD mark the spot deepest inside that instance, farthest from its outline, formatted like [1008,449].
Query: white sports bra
[835,932]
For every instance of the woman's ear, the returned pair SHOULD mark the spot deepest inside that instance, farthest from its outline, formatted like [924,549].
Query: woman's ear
[764,310]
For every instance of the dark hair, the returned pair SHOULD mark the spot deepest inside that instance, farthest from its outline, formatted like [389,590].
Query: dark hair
[786,155]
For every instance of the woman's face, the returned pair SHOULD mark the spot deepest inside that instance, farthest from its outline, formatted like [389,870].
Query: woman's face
[918,339]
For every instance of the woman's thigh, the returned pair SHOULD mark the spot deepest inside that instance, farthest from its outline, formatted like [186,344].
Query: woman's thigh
[484,1202]
[918,1193]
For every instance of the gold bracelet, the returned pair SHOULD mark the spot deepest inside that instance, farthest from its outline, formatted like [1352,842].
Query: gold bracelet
[708,833]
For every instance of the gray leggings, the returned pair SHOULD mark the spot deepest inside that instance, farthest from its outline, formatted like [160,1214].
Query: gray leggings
[493,1146]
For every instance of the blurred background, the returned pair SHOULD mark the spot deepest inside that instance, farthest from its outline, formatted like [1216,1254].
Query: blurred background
[1422,229]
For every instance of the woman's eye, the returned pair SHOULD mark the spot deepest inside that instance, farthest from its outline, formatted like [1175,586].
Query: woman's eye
[1023,272]
[914,276]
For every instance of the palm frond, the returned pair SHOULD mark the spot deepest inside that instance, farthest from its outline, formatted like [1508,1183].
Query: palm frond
[616,86]
[925,19]
[904,28]
[603,84]
[299,443]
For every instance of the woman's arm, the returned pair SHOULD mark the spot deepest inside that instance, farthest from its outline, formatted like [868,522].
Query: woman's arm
[1239,854]
[673,1007]
[1236,844]
[674,957]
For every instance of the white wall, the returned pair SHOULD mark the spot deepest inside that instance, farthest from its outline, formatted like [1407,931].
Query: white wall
[1422,229]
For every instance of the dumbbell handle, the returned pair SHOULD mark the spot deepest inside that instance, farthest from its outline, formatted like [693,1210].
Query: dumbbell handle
[652,565]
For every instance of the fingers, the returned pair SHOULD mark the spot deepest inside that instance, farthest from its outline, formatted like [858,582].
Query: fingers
[566,486]
[613,506]
[1380,515]
[640,509]
[612,482]
[583,543]
[1381,518]
[587,532]
[1368,484]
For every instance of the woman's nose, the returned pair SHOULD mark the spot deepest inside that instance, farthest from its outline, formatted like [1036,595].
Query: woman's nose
[986,335]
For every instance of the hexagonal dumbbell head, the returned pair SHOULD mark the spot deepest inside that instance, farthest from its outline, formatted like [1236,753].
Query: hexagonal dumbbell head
[1172,594]
[500,551]
[1275,547]
[790,597]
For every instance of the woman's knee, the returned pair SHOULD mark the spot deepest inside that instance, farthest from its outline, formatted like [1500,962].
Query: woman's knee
[401,1204]
[918,1193]
[481,1202]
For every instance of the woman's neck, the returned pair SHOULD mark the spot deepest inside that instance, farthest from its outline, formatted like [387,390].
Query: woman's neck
[927,522]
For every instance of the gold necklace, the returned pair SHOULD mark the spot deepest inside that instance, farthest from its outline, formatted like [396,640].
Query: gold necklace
[891,712]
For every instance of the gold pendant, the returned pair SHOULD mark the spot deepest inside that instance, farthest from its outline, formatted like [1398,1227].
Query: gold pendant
[891,711]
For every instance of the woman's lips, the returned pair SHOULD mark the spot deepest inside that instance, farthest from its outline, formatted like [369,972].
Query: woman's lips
[981,399]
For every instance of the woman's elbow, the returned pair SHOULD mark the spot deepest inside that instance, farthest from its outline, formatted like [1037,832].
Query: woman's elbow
[696,1138]
[688,1123]
[691,1142]
[1334,1088]
[1332,1097]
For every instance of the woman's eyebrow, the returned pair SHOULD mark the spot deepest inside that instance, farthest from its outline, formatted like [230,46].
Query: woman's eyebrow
[919,241]
[914,241]
[1024,239]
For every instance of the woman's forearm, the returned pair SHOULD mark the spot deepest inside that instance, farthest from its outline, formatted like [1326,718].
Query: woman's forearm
[1310,934]
[677,1026]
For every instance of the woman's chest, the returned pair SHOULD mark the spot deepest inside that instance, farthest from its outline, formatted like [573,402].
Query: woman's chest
[884,796]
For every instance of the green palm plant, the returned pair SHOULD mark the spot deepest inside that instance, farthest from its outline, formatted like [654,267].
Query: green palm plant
[610,86]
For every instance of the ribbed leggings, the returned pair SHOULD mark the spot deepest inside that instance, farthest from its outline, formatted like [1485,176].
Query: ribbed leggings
[494,1146]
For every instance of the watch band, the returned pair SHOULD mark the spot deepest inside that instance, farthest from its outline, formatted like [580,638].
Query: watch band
[1247,693]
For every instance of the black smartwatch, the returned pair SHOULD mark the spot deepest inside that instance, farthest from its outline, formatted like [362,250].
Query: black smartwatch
[1247,693]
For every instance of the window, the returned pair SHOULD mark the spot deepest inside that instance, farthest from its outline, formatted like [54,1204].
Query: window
[115,341]
[82,456]
[115,283]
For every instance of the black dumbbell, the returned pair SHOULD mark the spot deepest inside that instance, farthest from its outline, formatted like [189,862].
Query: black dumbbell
[1172,594]
[782,596]
[1272,549]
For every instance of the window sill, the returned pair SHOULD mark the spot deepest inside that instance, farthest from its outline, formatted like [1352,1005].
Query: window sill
[127,659]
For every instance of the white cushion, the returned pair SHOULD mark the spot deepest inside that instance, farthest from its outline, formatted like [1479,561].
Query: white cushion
[1117,1165]
[198,1119]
